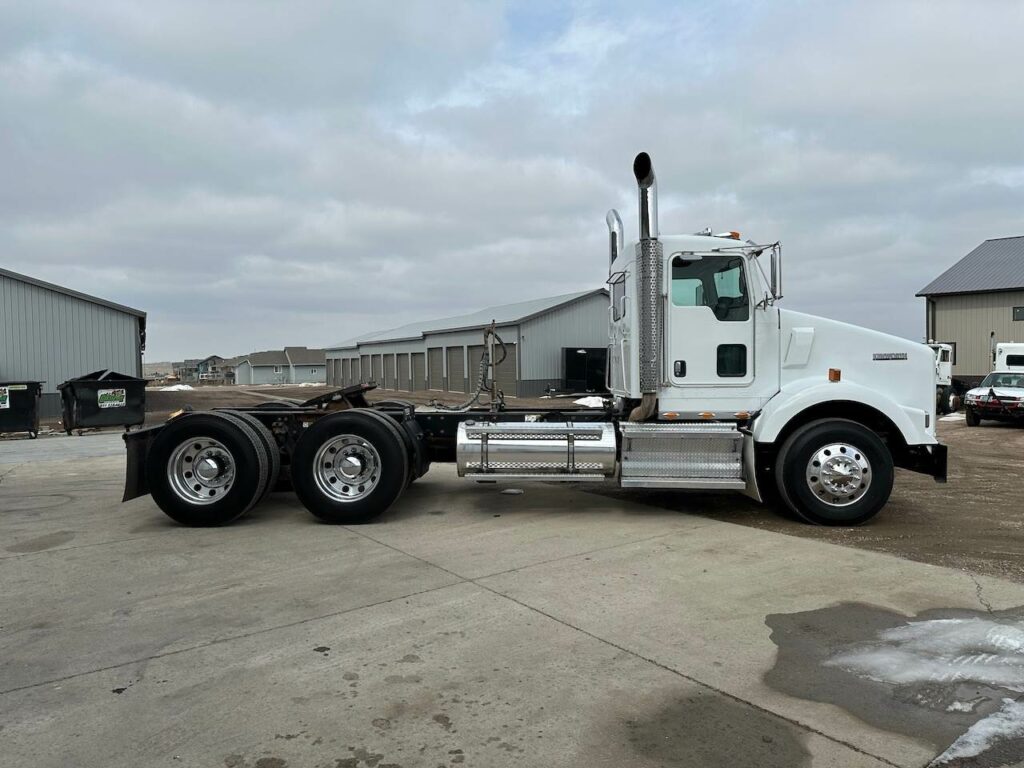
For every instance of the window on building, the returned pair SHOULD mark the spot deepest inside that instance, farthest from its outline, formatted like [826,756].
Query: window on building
[277,369]
[312,371]
[1018,313]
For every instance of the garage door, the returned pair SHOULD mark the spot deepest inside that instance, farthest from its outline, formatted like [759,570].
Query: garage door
[377,375]
[476,351]
[435,367]
[456,369]
[403,371]
[506,373]
[419,372]
[364,369]
[389,372]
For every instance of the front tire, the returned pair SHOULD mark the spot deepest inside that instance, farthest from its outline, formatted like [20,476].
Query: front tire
[834,472]
[350,467]
[972,417]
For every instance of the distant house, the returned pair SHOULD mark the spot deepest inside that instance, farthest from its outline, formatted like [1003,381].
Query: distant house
[291,365]
[187,371]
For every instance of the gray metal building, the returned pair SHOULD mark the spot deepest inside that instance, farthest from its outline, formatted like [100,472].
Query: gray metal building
[444,355]
[977,302]
[51,333]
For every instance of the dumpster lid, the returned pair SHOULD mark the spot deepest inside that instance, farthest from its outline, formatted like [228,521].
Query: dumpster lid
[104,374]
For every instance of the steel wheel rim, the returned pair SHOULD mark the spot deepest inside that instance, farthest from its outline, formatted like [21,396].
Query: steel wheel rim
[839,474]
[200,470]
[347,468]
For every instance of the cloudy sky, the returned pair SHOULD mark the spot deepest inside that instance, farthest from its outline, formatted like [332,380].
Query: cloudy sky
[254,174]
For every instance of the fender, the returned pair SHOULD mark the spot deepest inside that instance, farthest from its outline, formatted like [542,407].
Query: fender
[799,395]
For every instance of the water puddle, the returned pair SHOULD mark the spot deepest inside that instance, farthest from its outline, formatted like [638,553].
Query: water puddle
[951,677]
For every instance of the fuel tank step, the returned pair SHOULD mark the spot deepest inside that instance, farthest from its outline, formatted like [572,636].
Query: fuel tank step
[694,455]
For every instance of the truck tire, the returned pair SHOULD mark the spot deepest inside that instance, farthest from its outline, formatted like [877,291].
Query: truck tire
[270,448]
[834,472]
[943,400]
[972,417]
[233,477]
[350,467]
[952,400]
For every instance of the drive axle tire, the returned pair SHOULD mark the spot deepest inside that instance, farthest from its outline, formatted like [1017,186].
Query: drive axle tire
[270,448]
[206,469]
[834,472]
[972,417]
[350,467]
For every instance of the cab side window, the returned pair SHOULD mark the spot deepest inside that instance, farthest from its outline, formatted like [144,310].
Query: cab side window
[714,281]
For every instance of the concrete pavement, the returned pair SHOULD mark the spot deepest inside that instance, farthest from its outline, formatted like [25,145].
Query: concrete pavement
[466,627]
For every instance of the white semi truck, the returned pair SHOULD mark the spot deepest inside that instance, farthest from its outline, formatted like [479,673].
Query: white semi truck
[946,399]
[713,387]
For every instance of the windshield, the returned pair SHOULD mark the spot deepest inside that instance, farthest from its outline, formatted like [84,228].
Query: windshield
[1003,380]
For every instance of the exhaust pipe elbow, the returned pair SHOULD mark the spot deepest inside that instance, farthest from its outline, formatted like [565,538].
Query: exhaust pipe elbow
[647,187]
[615,236]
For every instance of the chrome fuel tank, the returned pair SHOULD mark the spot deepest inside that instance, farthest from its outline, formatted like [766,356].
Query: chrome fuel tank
[549,451]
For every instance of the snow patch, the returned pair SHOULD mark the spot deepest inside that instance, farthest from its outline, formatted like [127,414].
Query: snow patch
[953,417]
[951,652]
[177,388]
[592,401]
[1007,723]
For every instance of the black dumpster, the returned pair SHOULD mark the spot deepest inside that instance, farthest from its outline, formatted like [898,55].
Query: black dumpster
[19,406]
[103,399]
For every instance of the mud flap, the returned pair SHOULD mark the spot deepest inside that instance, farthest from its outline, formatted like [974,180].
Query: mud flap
[137,445]
[750,469]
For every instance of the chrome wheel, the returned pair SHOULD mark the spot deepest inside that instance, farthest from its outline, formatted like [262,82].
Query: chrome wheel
[347,468]
[839,474]
[200,470]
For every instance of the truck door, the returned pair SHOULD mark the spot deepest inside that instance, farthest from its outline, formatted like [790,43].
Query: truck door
[710,338]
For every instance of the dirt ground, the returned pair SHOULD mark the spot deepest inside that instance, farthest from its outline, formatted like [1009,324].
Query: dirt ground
[974,522]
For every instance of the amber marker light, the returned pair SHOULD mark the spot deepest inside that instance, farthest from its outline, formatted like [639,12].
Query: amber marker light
[834,374]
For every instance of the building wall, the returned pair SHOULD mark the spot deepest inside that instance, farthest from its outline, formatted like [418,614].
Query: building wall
[260,374]
[316,374]
[581,324]
[537,345]
[968,321]
[52,337]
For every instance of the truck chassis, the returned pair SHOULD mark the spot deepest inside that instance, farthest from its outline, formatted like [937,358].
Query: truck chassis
[348,461]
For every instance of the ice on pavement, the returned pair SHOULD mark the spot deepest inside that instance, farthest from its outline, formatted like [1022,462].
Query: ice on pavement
[951,652]
[1007,723]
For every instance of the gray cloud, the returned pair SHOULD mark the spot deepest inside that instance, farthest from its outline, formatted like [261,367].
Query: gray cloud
[255,174]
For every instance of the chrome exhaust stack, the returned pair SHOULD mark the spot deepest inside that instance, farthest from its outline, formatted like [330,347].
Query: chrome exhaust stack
[650,275]
[616,236]
[647,185]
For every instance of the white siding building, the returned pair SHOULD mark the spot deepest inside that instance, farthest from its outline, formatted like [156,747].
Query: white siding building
[50,333]
[554,343]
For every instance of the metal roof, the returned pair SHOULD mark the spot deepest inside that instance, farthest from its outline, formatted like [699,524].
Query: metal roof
[69,292]
[504,314]
[995,265]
